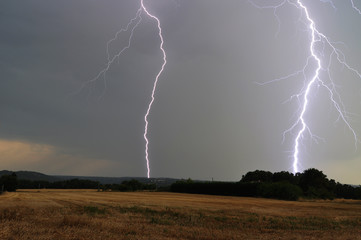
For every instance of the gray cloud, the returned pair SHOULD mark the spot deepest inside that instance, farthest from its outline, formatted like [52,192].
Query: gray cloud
[210,119]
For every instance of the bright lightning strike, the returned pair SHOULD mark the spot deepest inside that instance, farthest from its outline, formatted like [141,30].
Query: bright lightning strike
[154,86]
[308,89]
[300,127]
[131,26]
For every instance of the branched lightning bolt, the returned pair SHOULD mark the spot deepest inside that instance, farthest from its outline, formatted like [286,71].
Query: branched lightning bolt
[131,26]
[300,126]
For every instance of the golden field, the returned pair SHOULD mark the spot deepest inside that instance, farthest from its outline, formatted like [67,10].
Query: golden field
[86,214]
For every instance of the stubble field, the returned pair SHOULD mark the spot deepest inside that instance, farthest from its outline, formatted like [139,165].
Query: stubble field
[84,214]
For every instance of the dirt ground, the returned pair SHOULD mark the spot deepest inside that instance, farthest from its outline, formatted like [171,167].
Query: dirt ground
[87,214]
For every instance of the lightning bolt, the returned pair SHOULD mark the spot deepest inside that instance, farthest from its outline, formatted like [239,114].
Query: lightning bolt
[300,127]
[354,7]
[131,27]
[154,87]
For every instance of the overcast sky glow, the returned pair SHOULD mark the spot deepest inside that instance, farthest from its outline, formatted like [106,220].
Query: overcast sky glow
[210,118]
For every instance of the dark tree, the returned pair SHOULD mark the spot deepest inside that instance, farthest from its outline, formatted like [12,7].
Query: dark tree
[281,190]
[9,182]
[315,184]
[313,178]
[257,176]
[284,177]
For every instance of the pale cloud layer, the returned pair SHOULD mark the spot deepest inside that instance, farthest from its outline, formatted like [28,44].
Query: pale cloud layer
[16,154]
[19,155]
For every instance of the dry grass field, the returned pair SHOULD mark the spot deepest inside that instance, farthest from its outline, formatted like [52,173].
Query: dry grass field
[84,214]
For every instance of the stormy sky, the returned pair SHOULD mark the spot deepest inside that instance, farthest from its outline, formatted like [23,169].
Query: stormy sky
[210,118]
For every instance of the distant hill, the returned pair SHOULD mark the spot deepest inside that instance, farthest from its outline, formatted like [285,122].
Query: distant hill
[36,176]
[29,175]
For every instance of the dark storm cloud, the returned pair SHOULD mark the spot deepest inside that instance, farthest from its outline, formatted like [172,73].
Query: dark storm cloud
[210,119]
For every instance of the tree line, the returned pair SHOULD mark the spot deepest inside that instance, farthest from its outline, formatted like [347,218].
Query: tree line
[311,183]
[10,183]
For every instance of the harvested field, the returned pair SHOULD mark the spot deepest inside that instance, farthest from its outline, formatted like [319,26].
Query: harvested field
[85,214]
